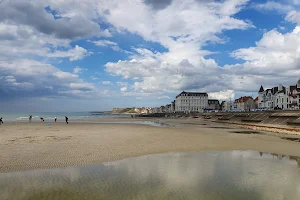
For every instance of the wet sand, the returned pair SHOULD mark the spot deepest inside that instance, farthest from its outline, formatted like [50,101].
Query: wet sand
[28,146]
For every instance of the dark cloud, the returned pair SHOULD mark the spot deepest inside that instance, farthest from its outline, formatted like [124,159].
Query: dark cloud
[34,14]
[158,4]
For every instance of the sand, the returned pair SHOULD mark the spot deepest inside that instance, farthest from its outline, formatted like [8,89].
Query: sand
[29,146]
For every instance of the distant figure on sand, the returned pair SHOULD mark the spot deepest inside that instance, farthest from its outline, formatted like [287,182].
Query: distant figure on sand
[67,119]
[55,118]
[1,121]
[30,118]
[42,119]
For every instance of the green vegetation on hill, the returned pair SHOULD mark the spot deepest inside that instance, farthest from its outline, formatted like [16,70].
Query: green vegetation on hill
[122,110]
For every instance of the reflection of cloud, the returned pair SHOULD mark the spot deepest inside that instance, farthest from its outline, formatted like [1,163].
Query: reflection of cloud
[214,175]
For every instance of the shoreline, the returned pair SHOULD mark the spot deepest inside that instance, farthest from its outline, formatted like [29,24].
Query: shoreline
[29,146]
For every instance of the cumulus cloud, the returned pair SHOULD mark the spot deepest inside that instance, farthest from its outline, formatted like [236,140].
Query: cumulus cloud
[275,53]
[178,26]
[288,7]
[34,14]
[274,60]
[46,29]
[123,89]
[107,43]
[158,4]
[274,6]
[293,16]
[77,53]
[29,78]
[222,95]
[78,70]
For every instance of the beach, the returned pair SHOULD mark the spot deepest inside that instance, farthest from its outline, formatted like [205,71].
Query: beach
[28,146]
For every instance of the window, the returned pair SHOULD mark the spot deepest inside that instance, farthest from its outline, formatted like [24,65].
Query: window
[277,100]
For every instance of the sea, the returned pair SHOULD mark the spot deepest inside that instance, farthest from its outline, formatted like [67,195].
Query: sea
[49,116]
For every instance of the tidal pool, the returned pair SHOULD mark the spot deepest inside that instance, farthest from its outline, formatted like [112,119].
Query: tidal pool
[229,175]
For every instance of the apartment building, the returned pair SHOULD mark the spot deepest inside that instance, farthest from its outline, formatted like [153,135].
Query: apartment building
[191,102]
[245,103]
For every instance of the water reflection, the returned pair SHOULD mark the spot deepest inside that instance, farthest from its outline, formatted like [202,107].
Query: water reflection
[279,156]
[207,176]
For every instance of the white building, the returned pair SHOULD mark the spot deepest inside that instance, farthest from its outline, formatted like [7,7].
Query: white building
[213,104]
[279,97]
[226,106]
[293,93]
[275,98]
[191,102]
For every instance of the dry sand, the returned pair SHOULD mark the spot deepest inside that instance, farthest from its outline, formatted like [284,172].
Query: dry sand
[28,146]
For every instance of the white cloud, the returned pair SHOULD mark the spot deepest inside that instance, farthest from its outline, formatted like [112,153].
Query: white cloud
[104,43]
[23,77]
[122,84]
[106,83]
[179,28]
[78,70]
[164,97]
[274,6]
[77,53]
[123,89]
[274,53]
[66,26]
[107,43]
[293,16]
[94,78]
[222,95]
[81,86]
[288,7]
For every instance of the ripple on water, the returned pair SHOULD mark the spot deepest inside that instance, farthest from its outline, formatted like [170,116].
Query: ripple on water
[207,175]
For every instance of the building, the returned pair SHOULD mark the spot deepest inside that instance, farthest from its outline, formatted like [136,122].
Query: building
[173,106]
[168,108]
[156,110]
[293,95]
[245,103]
[162,109]
[191,102]
[256,102]
[213,104]
[278,97]
[226,106]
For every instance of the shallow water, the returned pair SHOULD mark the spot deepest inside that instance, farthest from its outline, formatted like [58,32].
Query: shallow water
[227,175]
[149,123]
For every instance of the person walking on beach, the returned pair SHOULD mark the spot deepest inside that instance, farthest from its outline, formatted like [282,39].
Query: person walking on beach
[55,118]
[30,118]
[67,119]
[1,121]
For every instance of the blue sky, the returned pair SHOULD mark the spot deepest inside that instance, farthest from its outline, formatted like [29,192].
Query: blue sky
[78,55]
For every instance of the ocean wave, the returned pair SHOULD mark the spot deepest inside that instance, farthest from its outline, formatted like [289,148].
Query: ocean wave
[22,118]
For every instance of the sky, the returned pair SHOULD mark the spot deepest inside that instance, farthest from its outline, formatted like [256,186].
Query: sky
[74,55]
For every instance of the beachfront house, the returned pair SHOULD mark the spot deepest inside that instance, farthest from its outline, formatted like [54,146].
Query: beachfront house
[213,104]
[191,102]
[245,103]
[279,97]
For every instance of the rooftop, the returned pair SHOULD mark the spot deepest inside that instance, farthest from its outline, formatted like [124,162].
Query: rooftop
[192,94]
